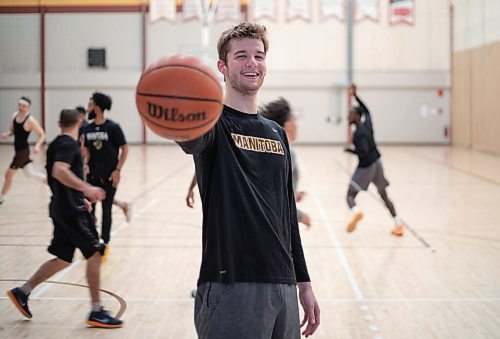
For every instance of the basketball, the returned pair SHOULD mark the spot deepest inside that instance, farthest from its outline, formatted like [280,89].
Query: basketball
[179,97]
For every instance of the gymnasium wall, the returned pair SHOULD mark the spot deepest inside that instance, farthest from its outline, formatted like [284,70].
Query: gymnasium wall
[402,71]
[476,75]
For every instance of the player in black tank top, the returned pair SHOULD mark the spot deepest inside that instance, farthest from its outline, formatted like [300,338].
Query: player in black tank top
[21,126]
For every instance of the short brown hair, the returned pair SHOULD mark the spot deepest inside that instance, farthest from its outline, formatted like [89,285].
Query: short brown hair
[69,118]
[241,31]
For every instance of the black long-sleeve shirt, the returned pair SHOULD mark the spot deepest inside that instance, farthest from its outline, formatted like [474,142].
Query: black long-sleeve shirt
[363,140]
[250,228]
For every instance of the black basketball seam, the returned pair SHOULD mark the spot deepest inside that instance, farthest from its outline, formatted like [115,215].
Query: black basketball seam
[176,129]
[185,66]
[177,97]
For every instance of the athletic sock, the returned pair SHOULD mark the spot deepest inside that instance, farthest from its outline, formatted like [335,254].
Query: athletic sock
[26,288]
[397,221]
[355,209]
[96,306]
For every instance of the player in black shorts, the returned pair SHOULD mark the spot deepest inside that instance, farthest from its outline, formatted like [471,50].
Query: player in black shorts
[74,226]
[369,168]
[21,126]
[105,152]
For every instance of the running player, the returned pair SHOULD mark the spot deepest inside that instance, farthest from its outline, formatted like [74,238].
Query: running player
[73,224]
[21,126]
[369,168]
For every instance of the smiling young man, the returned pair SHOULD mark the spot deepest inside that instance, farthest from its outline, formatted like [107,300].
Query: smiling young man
[252,253]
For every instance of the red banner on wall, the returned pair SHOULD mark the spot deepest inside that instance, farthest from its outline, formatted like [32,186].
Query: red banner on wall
[401,11]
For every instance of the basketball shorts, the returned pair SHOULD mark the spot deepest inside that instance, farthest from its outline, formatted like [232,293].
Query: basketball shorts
[363,176]
[21,158]
[71,232]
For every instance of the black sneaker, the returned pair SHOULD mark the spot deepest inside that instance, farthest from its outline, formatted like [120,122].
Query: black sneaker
[103,319]
[20,300]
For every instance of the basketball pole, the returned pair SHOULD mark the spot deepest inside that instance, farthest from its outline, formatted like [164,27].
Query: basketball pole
[350,16]
[207,15]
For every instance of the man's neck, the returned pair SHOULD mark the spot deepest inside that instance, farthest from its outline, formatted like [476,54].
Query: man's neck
[241,102]
[22,115]
[99,119]
[73,133]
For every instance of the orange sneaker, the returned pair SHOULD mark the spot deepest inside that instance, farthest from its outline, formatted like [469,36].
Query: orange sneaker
[356,217]
[398,230]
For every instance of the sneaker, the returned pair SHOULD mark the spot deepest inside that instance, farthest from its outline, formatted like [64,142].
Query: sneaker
[127,210]
[102,319]
[20,300]
[398,231]
[356,217]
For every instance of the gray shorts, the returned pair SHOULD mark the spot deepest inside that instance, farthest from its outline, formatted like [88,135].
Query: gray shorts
[363,176]
[246,311]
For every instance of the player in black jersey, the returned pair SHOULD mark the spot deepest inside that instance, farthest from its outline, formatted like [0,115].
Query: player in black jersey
[73,224]
[21,126]
[125,206]
[252,256]
[105,152]
[369,168]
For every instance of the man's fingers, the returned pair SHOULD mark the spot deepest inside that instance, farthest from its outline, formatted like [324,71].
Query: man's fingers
[304,320]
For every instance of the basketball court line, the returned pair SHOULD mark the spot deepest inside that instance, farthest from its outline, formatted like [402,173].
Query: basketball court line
[320,300]
[386,247]
[359,297]
[121,301]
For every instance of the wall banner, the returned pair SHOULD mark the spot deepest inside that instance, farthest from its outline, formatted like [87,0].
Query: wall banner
[263,9]
[162,9]
[366,9]
[401,11]
[298,9]
[228,10]
[332,9]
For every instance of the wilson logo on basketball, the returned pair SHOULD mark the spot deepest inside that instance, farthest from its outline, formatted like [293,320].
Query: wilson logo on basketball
[173,114]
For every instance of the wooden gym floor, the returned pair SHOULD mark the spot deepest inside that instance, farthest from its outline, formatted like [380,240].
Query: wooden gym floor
[441,280]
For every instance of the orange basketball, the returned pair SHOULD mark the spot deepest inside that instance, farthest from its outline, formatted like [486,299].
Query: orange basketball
[179,97]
